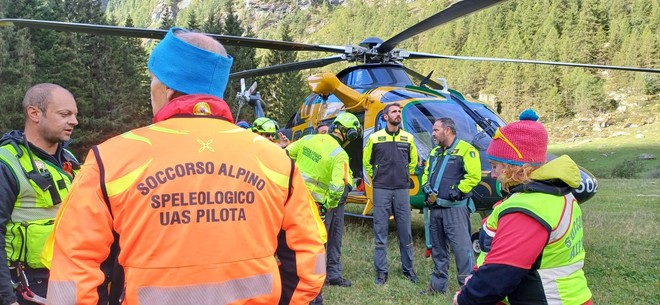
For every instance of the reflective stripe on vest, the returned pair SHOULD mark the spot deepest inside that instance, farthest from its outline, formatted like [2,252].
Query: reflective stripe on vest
[564,222]
[337,151]
[549,280]
[33,213]
[318,189]
[208,294]
[313,186]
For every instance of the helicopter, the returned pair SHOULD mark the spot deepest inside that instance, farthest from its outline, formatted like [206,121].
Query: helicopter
[378,78]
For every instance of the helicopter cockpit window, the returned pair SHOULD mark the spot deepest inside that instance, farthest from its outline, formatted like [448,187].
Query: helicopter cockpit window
[361,78]
[376,76]
[418,120]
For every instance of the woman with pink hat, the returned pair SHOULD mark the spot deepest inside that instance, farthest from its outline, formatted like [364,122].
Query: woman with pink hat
[534,237]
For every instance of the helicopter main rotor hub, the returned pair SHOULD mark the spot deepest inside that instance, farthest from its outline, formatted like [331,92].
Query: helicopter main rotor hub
[371,55]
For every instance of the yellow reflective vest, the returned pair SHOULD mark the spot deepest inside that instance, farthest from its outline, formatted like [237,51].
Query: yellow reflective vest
[560,275]
[324,167]
[34,210]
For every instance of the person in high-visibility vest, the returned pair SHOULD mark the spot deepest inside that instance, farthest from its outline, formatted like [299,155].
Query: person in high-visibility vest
[268,128]
[203,211]
[36,171]
[389,159]
[534,237]
[452,171]
[325,168]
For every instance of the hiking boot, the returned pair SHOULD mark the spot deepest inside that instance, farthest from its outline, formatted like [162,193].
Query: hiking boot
[411,276]
[341,282]
[381,278]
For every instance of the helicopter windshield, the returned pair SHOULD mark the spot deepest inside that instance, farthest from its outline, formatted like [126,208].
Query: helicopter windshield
[418,120]
[487,113]
[367,76]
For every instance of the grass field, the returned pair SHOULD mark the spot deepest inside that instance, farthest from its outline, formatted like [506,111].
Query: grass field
[601,155]
[621,239]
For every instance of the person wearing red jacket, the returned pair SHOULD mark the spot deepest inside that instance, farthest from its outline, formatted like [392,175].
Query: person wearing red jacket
[533,239]
[200,210]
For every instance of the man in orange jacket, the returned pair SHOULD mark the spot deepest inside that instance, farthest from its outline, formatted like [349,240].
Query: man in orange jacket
[201,209]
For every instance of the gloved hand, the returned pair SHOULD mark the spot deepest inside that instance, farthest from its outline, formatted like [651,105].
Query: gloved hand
[455,194]
[427,189]
[419,169]
[430,199]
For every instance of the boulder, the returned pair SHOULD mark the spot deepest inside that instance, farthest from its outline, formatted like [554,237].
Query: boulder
[619,133]
[647,157]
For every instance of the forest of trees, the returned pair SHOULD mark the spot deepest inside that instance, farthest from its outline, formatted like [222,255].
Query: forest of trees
[611,32]
[108,74]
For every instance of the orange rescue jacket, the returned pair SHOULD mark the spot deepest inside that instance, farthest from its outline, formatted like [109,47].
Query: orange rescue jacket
[203,211]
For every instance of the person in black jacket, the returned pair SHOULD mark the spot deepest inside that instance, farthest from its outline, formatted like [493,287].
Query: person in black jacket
[389,158]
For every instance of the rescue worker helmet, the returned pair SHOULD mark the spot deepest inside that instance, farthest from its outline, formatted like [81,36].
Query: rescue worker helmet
[265,126]
[348,124]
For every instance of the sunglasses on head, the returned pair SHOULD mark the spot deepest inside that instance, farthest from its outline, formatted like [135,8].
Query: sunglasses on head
[499,135]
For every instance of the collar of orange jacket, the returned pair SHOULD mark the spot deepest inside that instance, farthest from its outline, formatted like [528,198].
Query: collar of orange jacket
[195,105]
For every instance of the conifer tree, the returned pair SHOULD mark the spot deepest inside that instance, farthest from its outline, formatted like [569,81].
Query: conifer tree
[213,23]
[192,21]
[166,18]
[284,91]
[16,75]
[244,58]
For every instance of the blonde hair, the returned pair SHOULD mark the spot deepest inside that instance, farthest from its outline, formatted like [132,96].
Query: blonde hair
[515,174]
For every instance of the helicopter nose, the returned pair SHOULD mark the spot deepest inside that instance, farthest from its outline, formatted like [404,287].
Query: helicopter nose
[588,186]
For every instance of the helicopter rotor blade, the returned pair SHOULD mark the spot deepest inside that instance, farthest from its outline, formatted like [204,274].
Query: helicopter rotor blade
[288,67]
[242,85]
[98,29]
[455,10]
[417,55]
[252,88]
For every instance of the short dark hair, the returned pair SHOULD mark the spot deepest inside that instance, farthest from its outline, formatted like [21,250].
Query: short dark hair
[448,123]
[321,124]
[388,106]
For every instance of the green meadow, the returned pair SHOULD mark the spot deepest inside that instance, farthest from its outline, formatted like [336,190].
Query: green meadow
[621,239]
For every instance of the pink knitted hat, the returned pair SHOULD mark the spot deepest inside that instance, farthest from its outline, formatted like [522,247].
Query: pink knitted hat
[523,141]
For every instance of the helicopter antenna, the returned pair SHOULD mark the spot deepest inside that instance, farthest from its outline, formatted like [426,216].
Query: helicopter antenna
[426,79]
[443,81]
